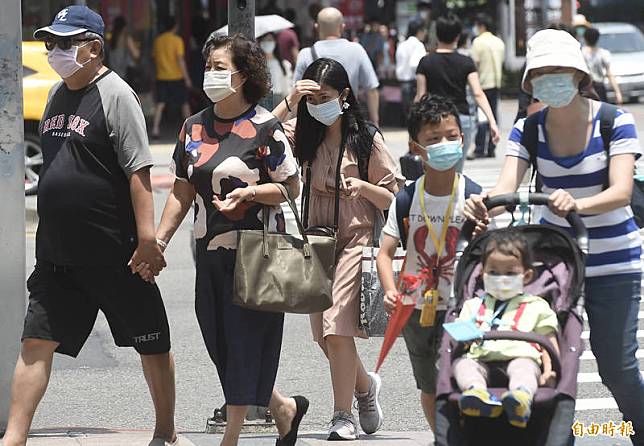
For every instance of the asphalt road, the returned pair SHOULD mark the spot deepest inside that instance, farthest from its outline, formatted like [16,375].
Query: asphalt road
[104,387]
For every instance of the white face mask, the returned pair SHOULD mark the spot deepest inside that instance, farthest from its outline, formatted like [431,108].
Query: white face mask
[556,89]
[326,113]
[503,287]
[268,46]
[217,84]
[64,62]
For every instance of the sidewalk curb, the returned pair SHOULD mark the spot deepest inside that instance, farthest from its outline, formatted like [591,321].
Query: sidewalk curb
[68,436]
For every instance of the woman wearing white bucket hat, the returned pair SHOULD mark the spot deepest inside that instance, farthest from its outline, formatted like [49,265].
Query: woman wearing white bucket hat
[586,167]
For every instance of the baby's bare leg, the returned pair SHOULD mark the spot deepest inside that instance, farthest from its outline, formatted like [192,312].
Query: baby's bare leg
[524,372]
[470,373]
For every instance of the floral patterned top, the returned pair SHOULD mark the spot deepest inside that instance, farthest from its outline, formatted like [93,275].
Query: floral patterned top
[219,155]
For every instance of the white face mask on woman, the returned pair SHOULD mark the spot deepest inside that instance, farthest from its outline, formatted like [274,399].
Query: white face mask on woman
[326,113]
[64,62]
[217,84]
[268,46]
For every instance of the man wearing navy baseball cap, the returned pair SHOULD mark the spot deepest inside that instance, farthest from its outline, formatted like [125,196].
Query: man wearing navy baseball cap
[96,227]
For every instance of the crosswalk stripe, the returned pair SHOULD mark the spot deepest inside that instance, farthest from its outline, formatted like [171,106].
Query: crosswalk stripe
[586,334]
[586,355]
[640,314]
[595,404]
[593,377]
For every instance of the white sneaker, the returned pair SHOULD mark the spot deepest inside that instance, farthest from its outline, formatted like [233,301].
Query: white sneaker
[343,427]
[369,410]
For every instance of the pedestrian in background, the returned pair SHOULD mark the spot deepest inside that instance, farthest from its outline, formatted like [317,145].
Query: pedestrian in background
[424,13]
[172,75]
[96,214]
[387,69]
[447,73]
[281,70]
[288,41]
[580,174]
[227,160]
[330,133]
[373,42]
[123,53]
[408,55]
[598,60]
[352,56]
[464,47]
[488,51]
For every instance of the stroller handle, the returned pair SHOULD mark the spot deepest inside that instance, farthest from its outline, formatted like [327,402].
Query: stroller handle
[514,199]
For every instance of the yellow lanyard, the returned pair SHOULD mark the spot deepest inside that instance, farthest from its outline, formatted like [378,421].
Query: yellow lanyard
[439,244]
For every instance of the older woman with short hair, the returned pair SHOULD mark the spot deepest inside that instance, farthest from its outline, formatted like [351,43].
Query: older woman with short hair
[227,160]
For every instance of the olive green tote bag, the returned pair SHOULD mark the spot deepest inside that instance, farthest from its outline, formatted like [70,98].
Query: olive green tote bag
[284,273]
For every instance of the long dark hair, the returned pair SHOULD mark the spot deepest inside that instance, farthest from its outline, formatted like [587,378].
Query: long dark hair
[309,133]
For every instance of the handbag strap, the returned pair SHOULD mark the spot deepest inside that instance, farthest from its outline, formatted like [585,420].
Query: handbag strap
[306,196]
[298,221]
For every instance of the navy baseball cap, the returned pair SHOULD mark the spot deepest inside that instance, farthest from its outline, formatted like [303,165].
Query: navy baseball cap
[73,20]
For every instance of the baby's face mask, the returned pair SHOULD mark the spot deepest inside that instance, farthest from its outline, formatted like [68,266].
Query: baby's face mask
[503,287]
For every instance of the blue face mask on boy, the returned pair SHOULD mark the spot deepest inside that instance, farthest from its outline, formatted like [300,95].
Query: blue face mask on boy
[444,155]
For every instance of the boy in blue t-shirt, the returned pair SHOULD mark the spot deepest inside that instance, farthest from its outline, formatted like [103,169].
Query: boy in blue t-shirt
[427,217]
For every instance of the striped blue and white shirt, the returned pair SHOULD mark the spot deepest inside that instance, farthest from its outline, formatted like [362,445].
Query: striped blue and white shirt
[615,243]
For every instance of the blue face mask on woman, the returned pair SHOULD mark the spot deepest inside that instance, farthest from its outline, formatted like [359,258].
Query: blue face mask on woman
[556,89]
[444,155]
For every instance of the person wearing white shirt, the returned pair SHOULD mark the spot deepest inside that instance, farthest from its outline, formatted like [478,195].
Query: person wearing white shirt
[281,70]
[408,54]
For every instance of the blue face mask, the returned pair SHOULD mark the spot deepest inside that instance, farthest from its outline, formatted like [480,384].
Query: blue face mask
[555,90]
[444,155]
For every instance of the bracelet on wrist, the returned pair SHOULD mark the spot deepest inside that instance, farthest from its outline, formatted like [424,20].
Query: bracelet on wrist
[162,244]
[288,107]
[254,193]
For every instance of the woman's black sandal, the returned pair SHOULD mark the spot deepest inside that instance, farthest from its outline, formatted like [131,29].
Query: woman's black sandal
[301,407]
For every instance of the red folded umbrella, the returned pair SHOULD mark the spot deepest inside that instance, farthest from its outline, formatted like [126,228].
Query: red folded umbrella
[407,285]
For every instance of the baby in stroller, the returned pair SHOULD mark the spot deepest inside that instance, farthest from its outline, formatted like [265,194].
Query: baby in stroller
[507,267]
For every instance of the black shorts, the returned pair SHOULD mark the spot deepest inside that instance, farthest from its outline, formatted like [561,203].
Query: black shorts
[172,92]
[64,303]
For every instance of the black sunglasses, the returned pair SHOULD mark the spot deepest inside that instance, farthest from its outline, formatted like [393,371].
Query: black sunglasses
[64,43]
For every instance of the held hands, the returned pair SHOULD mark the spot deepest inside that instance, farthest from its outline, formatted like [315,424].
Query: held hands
[147,260]
[561,203]
[476,211]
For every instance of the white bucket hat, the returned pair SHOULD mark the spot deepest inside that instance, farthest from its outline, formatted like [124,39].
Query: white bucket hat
[554,48]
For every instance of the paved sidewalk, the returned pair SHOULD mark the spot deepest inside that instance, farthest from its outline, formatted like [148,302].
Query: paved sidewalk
[108,437]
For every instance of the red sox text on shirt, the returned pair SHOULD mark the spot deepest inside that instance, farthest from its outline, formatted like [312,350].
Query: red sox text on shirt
[73,123]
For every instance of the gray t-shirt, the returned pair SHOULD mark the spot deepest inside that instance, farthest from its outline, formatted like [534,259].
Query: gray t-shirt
[351,55]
